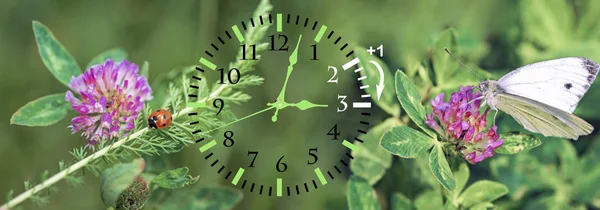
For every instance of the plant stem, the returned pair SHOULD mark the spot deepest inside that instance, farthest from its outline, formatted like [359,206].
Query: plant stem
[82,163]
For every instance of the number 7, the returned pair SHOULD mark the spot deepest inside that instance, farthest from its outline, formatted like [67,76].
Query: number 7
[253,159]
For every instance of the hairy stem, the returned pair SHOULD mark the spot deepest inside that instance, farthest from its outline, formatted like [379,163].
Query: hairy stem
[82,163]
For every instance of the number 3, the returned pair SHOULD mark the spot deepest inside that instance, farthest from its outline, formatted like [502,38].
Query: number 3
[342,98]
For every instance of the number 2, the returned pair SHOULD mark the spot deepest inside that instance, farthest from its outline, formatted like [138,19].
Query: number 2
[334,77]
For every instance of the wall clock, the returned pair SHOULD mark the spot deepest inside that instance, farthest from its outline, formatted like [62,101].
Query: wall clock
[314,54]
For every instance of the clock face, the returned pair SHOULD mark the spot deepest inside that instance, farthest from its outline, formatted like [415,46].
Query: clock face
[309,73]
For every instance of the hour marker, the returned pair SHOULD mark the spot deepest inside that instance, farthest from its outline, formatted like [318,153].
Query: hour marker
[359,69]
[279,23]
[362,78]
[237,33]
[350,145]
[320,34]
[361,105]
[237,176]
[350,63]
[208,145]
[279,190]
[364,87]
[365,96]
[320,175]
[196,105]
[208,64]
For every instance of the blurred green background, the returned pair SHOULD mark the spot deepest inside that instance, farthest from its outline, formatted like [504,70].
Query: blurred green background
[493,35]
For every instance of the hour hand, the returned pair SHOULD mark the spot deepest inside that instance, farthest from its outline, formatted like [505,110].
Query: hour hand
[304,105]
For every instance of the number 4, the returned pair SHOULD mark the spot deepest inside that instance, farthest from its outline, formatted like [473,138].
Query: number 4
[334,132]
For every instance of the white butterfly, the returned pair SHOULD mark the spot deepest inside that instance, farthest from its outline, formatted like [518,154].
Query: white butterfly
[542,96]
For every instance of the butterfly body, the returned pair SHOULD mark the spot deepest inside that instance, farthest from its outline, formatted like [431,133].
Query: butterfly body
[542,96]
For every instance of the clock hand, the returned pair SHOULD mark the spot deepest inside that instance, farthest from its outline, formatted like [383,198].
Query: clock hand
[293,60]
[280,103]
[304,105]
[243,118]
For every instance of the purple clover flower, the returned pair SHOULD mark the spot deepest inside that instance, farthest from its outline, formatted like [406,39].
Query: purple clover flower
[460,122]
[112,96]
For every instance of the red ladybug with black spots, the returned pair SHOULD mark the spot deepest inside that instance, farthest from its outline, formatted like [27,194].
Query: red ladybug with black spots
[160,119]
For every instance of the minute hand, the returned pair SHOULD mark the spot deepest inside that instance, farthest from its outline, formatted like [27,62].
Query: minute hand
[293,60]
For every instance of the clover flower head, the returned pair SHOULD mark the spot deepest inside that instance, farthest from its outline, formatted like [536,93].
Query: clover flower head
[108,98]
[460,122]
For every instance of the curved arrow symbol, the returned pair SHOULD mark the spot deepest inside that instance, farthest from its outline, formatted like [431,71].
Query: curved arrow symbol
[380,86]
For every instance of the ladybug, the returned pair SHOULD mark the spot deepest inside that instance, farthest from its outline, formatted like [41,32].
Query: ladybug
[160,119]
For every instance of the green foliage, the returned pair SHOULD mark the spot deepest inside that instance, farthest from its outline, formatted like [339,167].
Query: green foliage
[176,178]
[410,100]
[388,101]
[117,54]
[440,168]
[449,75]
[406,142]
[482,192]
[118,178]
[203,198]
[516,142]
[371,161]
[54,55]
[43,111]
[361,196]
[400,202]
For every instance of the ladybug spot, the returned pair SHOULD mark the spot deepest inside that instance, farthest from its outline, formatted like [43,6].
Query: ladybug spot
[164,125]
[164,117]
[154,118]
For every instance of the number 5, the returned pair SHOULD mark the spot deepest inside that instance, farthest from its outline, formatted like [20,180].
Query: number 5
[342,98]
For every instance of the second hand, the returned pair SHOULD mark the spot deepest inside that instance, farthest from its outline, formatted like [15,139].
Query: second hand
[243,118]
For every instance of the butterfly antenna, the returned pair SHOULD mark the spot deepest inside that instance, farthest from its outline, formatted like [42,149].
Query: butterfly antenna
[461,63]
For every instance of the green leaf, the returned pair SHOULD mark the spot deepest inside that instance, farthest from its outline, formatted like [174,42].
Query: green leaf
[43,111]
[546,22]
[589,24]
[430,199]
[483,191]
[388,101]
[370,160]
[212,197]
[443,64]
[406,142]
[117,54]
[585,186]
[400,202]
[482,206]
[548,202]
[360,195]
[409,98]
[176,178]
[118,178]
[440,168]
[516,142]
[520,173]
[461,176]
[145,70]
[54,55]
[569,165]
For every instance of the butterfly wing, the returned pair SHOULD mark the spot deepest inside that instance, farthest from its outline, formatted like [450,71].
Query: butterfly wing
[541,118]
[559,83]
